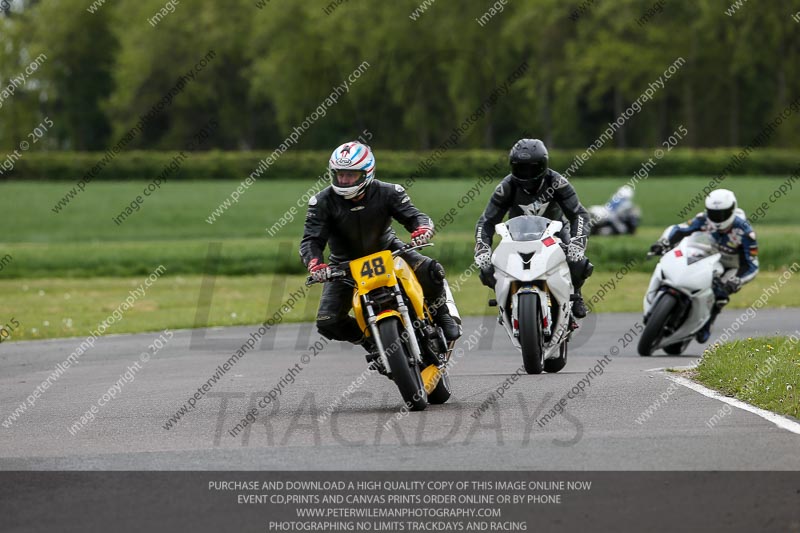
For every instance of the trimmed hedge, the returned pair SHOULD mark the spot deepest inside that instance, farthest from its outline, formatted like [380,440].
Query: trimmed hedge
[392,165]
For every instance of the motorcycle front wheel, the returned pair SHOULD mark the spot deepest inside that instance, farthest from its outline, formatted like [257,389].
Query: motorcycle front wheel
[530,333]
[654,330]
[405,374]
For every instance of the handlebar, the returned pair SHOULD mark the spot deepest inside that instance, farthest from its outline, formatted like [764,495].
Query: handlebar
[335,275]
[408,247]
[340,270]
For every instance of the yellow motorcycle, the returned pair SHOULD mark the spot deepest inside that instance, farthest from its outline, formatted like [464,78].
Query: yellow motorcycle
[389,307]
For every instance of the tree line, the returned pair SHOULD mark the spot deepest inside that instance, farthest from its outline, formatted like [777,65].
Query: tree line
[274,62]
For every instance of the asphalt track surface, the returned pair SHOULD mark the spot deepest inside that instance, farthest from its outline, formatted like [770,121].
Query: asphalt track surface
[597,431]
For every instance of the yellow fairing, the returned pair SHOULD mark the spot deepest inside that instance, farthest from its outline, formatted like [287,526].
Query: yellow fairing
[369,273]
[430,377]
[380,270]
[412,287]
[359,312]
[373,271]
[387,314]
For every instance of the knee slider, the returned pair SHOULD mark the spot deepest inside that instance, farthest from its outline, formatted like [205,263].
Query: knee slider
[327,324]
[436,270]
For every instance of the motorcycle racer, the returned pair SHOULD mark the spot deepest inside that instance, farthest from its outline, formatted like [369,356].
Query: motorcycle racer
[353,217]
[533,188]
[619,216]
[729,228]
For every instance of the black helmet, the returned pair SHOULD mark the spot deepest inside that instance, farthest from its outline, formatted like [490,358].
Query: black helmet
[529,160]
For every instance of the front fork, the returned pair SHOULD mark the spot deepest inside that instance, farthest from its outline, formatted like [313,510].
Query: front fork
[544,306]
[372,322]
[412,336]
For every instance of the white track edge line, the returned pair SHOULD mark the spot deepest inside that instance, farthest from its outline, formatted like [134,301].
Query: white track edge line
[780,421]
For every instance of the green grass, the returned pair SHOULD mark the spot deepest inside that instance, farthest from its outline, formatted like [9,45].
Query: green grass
[61,274]
[50,308]
[170,228]
[763,371]
[778,247]
[178,210]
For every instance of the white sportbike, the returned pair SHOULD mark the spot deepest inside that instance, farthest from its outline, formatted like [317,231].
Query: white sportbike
[680,297]
[533,289]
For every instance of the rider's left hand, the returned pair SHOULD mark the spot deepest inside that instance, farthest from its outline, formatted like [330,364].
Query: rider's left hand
[487,277]
[421,235]
[732,285]
[575,252]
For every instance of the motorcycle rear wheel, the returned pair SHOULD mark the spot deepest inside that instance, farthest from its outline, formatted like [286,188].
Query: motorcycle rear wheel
[677,348]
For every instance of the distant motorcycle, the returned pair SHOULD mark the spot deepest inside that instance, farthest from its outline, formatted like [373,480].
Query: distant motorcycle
[389,306]
[533,289]
[618,217]
[680,297]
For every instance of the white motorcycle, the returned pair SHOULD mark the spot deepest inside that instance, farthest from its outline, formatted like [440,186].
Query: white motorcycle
[533,289]
[680,297]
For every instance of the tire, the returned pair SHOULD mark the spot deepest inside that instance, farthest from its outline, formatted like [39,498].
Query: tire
[554,365]
[677,348]
[530,333]
[441,393]
[654,329]
[405,376]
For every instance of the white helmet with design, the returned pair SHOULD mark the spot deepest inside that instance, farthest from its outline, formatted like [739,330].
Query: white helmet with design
[354,157]
[721,209]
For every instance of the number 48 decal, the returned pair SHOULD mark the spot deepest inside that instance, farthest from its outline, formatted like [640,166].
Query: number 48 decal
[376,268]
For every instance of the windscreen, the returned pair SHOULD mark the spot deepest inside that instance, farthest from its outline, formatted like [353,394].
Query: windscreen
[700,245]
[527,228]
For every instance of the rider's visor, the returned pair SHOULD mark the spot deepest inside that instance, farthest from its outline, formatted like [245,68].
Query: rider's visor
[348,178]
[719,215]
[529,171]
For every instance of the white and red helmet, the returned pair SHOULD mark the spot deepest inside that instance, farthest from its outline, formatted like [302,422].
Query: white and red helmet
[353,156]
[720,209]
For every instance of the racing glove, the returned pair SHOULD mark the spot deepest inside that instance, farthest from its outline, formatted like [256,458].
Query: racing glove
[320,272]
[732,285]
[660,247]
[483,259]
[421,235]
[483,256]
[575,252]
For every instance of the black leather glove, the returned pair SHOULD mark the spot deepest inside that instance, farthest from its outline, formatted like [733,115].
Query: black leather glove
[483,259]
[732,285]
[487,277]
[660,247]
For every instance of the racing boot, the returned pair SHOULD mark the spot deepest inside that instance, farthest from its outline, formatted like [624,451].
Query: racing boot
[443,319]
[579,309]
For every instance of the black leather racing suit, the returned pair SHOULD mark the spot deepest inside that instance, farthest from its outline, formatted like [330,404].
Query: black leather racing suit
[353,229]
[555,199]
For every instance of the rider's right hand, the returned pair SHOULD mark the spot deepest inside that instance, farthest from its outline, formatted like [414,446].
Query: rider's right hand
[483,256]
[320,272]
[483,259]
[660,247]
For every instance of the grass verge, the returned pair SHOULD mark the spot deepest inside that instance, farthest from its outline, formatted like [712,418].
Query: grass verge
[778,247]
[51,308]
[762,371]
